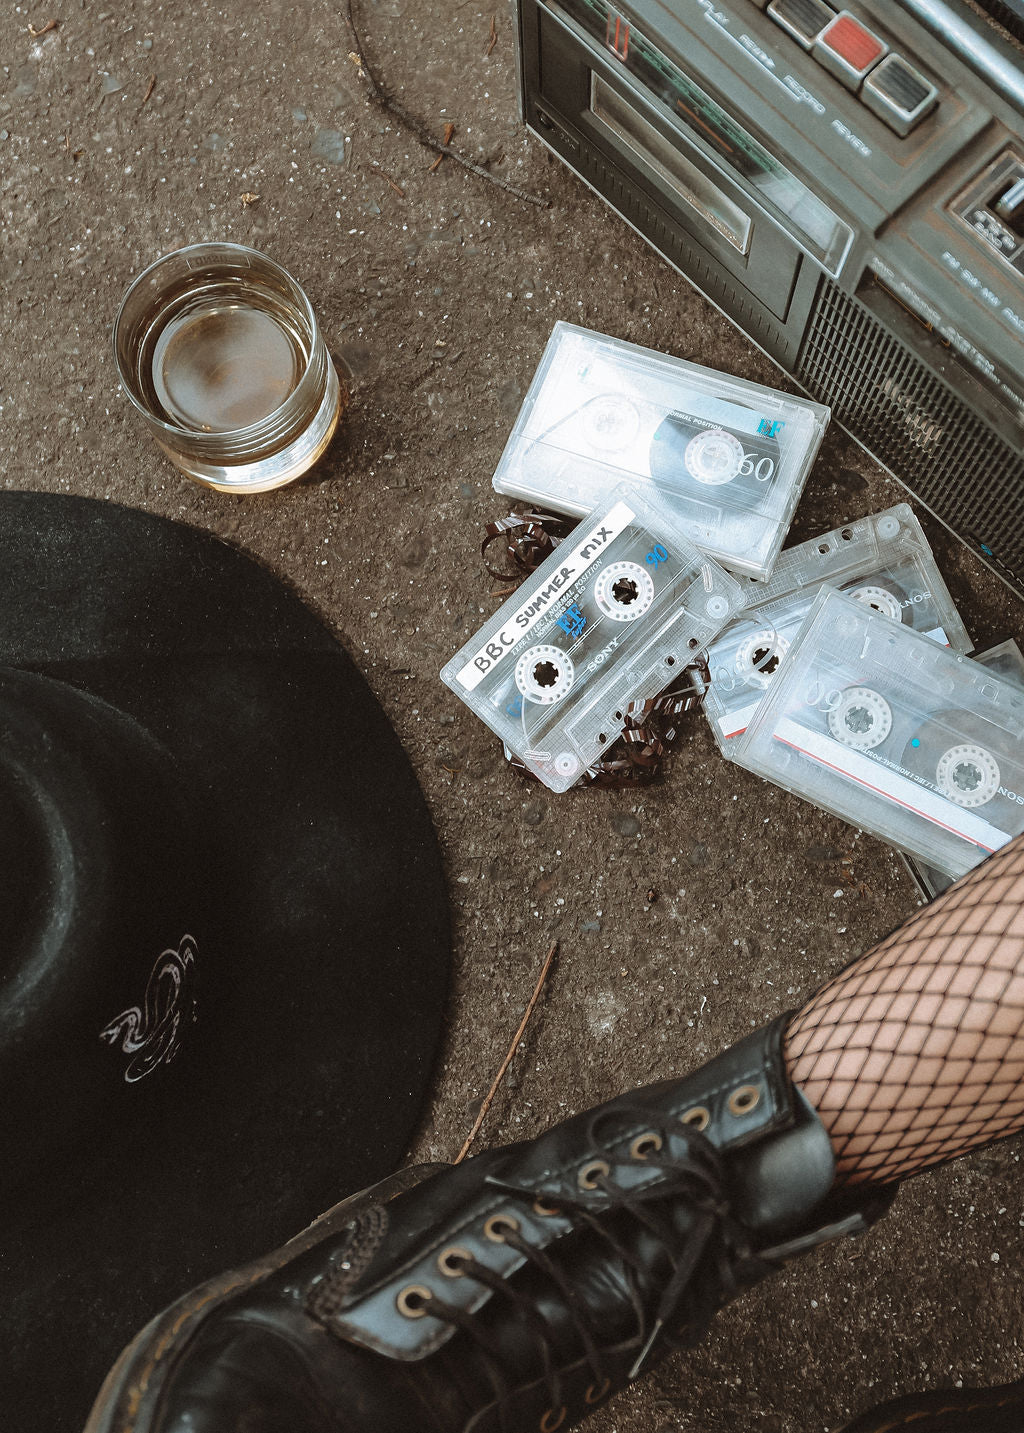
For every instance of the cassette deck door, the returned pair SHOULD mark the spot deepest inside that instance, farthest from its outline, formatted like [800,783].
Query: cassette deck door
[607,115]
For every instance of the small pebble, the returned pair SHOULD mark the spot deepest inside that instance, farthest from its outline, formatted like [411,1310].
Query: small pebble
[533,813]
[328,145]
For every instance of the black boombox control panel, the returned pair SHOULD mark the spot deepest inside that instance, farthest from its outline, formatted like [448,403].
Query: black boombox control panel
[847,185]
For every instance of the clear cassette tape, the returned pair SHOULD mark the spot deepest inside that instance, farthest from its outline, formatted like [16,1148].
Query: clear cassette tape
[883,561]
[1007,661]
[610,617]
[733,456]
[883,727]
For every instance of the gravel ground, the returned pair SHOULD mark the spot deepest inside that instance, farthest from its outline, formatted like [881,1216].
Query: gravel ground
[686,913]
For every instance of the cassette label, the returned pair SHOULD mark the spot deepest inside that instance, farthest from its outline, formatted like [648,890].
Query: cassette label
[731,456]
[611,617]
[900,736]
[883,561]
[570,568]
[893,782]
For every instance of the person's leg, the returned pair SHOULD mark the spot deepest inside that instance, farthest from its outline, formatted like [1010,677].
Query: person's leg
[516,1291]
[915,1053]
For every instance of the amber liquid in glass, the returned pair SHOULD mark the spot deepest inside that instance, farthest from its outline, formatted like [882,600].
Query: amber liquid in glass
[221,357]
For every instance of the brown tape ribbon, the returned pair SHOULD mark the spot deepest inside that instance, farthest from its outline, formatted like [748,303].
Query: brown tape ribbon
[528,537]
[648,733]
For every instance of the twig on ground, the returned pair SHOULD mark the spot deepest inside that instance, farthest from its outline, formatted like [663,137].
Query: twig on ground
[493,37]
[385,175]
[149,88]
[511,1052]
[449,131]
[392,107]
[50,25]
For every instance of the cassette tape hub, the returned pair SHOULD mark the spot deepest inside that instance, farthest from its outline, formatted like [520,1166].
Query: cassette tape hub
[609,618]
[732,456]
[883,561]
[883,727]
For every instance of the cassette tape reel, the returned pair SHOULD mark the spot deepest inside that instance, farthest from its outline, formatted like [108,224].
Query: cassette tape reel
[860,718]
[882,562]
[730,456]
[898,735]
[624,591]
[758,656]
[608,619]
[957,754]
[883,595]
[690,456]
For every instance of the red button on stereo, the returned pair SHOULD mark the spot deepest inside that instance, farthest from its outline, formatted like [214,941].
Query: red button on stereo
[848,50]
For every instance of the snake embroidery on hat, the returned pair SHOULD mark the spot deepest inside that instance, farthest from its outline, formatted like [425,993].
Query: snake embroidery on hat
[152,1036]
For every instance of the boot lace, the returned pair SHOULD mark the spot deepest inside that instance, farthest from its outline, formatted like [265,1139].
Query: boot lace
[693,1180]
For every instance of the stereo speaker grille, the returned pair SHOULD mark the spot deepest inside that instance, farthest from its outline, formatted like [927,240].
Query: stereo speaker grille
[915,424]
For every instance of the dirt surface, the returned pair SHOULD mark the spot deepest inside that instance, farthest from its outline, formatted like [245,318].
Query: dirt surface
[686,913]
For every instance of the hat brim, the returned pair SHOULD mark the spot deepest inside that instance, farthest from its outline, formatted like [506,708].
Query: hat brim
[323,1002]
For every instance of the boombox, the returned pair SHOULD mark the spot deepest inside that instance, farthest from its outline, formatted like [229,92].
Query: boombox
[847,186]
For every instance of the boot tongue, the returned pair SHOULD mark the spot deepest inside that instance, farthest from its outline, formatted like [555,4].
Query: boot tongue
[781,1180]
[785,1190]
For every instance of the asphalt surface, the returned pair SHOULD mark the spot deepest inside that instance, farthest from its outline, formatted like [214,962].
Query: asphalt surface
[686,913]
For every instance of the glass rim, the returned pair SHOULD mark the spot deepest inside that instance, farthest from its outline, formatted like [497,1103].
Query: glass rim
[173,430]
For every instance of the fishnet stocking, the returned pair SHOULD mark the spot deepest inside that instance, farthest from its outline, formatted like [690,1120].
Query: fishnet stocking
[915,1053]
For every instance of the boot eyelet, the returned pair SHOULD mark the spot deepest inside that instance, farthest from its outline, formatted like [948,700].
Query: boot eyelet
[544,1209]
[744,1099]
[499,1226]
[553,1418]
[597,1391]
[412,1301]
[699,1117]
[591,1172]
[645,1144]
[451,1260]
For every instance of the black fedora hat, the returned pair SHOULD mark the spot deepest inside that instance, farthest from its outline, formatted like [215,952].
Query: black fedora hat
[225,949]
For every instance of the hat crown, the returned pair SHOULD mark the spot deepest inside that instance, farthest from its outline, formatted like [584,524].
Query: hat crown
[98,884]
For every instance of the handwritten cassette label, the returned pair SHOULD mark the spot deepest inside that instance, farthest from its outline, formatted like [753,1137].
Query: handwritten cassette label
[569,568]
[611,617]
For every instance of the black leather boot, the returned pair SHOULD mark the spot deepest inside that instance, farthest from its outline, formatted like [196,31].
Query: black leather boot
[513,1292]
[948,1410]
